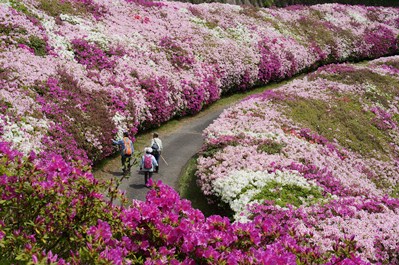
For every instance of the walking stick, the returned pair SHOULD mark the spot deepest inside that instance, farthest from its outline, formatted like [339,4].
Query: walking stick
[164,160]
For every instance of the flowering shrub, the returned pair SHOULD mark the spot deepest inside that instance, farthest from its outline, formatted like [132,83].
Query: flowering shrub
[322,150]
[76,73]
[69,222]
[147,62]
[91,55]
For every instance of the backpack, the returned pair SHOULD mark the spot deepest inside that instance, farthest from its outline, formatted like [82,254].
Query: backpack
[147,162]
[155,147]
[128,147]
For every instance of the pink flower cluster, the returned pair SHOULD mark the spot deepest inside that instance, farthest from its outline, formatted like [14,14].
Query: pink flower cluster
[91,55]
[65,205]
[148,62]
[258,137]
[71,81]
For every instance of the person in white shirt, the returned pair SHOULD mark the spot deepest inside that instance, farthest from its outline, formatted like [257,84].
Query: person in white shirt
[156,145]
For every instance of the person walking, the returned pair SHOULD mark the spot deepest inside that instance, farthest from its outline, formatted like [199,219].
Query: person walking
[156,145]
[148,164]
[127,150]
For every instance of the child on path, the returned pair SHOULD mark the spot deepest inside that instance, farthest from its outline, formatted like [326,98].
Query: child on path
[127,150]
[156,145]
[148,164]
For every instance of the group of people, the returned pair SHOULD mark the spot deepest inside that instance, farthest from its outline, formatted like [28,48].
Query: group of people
[149,161]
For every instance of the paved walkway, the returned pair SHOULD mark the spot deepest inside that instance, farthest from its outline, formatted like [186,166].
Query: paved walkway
[180,143]
[182,139]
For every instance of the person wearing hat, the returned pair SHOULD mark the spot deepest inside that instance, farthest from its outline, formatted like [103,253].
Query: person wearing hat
[156,145]
[148,164]
[127,150]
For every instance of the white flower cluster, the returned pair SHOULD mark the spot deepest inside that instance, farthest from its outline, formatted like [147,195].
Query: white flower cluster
[91,138]
[59,42]
[241,33]
[24,135]
[239,188]
[120,123]
[71,19]
[360,18]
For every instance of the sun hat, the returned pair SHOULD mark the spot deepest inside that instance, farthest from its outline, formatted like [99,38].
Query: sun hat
[148,150]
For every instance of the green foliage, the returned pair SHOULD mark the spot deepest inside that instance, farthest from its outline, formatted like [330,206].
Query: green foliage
[38,45]
[316,32]
[188,189]
[395,192]
[394,64]
[268,3]
[396,118]
[211,151]
[270,147]
[51,214]
[283,194]
[211,24]
[55,8]
[343,119]
[389,86]
[7,29]
[20,7]
[251,11]
[282,3]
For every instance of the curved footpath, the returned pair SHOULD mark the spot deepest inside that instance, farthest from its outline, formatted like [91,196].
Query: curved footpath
[180,142]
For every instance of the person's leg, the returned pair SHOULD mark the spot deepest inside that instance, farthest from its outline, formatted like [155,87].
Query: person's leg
[157,158]
[150,173]
[123,159]
[128,165]
[146,173]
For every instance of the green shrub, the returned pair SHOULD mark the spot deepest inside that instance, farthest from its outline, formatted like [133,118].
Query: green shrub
[270,147]
[343,119]
[38,45]
[384,83]
[283,194]
[395,191]
[7,29]
[188,189]
[55,8]
[20,7]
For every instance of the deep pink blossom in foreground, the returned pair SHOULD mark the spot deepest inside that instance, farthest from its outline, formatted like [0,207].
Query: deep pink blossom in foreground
[71,80]
[45,207]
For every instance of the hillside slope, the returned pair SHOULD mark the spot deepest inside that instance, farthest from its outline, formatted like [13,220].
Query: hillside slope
[322,151]
[76,73]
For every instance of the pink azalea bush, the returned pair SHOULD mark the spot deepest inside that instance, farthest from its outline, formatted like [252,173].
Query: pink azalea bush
[53,212]
[296,151]
[142,63]
[76,73]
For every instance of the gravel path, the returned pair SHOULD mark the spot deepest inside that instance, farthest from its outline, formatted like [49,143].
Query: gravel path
[180,143]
